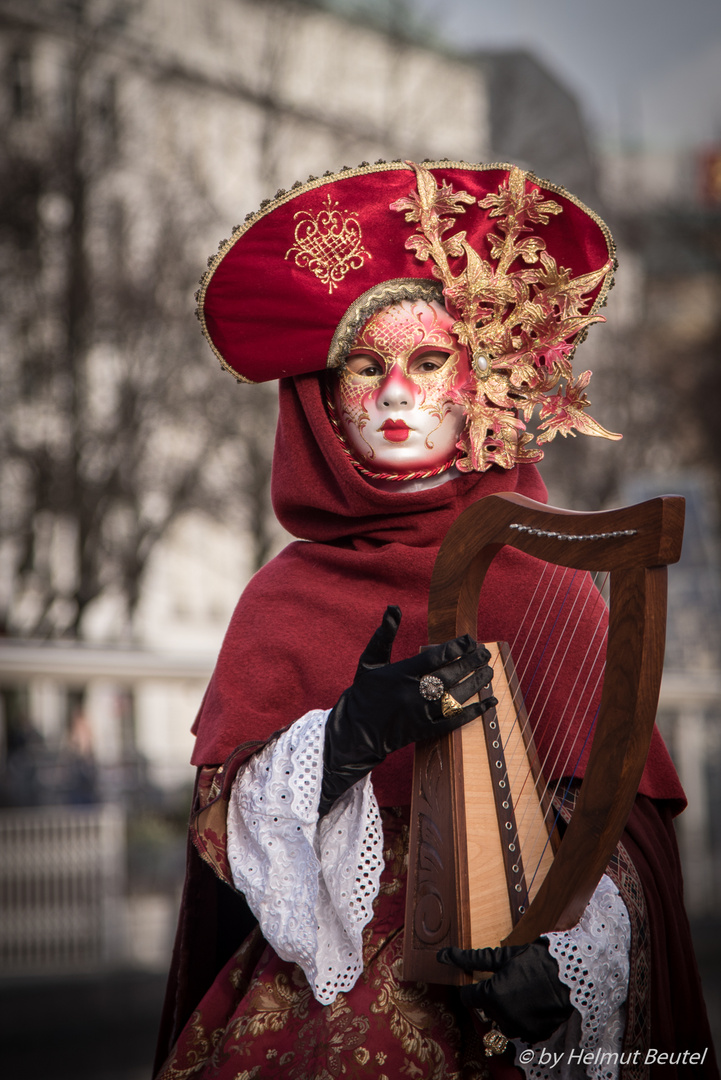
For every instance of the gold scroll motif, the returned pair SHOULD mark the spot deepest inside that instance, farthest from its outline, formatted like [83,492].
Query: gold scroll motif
[329,243]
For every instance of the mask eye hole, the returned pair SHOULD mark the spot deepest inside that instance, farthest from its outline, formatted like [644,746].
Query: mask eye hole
[427,362]
[364,364]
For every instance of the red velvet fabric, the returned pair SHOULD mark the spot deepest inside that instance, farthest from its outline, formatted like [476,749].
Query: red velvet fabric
[295,638]
[258,283]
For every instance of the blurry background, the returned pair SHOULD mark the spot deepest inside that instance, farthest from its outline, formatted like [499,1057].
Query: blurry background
[134,475]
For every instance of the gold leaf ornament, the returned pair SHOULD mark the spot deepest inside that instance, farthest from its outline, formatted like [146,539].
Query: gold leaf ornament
[563,412]
[520,325]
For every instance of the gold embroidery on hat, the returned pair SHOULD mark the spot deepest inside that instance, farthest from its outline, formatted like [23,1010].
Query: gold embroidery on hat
[298,190]
[329,244]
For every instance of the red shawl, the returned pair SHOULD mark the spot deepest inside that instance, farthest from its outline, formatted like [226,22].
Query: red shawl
[301,624]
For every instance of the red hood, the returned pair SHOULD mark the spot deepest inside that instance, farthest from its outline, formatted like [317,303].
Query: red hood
[298,630]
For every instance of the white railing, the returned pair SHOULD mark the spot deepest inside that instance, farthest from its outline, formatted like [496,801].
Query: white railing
[62,879]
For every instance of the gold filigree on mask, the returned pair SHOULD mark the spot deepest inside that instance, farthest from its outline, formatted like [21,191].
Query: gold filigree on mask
[354,392]
[399,396]
[396,335]
[437,395]
[400,336]
[328,244]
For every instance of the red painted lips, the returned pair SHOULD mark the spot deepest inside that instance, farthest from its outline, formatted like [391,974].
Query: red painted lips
[395,430]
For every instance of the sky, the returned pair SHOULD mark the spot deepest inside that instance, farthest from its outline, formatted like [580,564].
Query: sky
[647,72]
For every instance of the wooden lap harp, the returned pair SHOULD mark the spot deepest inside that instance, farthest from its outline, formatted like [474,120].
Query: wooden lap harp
[487,864]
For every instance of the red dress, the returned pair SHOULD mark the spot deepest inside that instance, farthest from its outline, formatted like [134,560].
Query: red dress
[293,645]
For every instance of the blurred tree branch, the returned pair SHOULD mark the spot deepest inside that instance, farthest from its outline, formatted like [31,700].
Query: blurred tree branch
[114,424]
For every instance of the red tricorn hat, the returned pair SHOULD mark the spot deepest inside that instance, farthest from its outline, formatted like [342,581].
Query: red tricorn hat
[276,291]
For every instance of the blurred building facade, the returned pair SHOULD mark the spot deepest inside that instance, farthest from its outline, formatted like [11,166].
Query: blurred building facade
[138,132]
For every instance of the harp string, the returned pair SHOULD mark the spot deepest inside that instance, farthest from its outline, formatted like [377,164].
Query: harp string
[591,728]
[597,639]
[593,596]
[552,660]
[512,708]
[516,730]
[522,671]
[533,828]
[555,665]
[532,606]
[521,732]
[564,771]
[584,667]
[549,636]
[540,607]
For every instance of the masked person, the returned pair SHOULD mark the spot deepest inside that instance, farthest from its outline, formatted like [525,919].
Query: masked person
[411,353]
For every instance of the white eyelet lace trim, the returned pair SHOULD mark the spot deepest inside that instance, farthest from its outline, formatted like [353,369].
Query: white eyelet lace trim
[311,885]
[593,963]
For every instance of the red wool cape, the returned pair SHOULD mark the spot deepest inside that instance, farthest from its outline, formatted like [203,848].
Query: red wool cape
[293,644]
[294,641]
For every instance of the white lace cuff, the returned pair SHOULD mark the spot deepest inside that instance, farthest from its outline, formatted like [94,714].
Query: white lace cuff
[310,884]
[593,963]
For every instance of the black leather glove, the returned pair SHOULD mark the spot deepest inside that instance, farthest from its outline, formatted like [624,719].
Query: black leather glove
[524,996]
[384,709]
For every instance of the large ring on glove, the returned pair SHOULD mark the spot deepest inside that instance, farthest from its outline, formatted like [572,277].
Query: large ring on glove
[449,705]
[431,688]
[494,1041]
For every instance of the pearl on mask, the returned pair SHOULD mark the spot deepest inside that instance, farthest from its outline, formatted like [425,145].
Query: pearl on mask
[481,364]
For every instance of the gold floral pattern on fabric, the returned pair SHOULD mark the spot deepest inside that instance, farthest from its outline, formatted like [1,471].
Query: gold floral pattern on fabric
[246,959]
[210,807]
[521,325]
[210,836]
[260,1019]
[406,1007]
[638,1004]
[329,243]
[396,860]
[189,1058]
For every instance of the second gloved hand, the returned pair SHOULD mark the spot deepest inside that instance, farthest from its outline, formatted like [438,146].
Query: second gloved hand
[385,709]
[524,995]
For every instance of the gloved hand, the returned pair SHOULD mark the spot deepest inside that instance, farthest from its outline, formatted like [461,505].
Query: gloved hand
[384,709]
[524,996]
